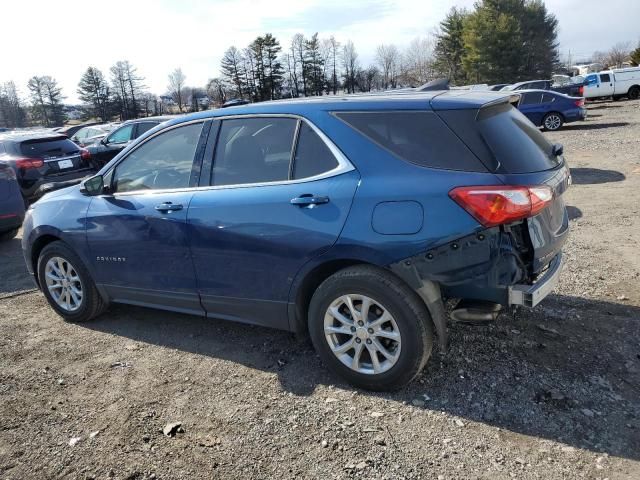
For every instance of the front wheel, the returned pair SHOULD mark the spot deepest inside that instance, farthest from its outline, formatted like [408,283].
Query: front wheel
[67,284]
[370,328]
[552,121]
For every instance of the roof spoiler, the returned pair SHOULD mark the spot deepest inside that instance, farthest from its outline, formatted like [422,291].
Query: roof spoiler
[511,99]
[437,84]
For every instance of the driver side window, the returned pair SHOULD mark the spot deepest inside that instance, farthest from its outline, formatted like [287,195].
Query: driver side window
[122,135]
[164,161]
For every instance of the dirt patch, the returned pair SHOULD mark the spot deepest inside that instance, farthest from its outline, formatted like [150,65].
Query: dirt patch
[548,393]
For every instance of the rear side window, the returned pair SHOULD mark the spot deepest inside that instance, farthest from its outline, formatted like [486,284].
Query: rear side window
[418,137]
[517,145]
[48,147]
[604,77]
[144,127]
[253,150]
[548,98]
[313,157]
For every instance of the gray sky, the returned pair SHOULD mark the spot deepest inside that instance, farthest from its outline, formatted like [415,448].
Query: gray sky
[63,38]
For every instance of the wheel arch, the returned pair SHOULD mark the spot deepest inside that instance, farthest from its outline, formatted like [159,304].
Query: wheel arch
[429,293]
[36,248]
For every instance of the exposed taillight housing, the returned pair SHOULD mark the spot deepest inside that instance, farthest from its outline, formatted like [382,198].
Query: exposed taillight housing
[28,163]
[498,205]
[85,154]
[579,102]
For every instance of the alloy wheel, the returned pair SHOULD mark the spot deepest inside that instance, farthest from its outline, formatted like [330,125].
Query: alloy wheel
[552,122]
[362,334]
[63,283]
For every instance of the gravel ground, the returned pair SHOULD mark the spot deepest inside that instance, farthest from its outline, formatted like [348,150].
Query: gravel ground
[549,393]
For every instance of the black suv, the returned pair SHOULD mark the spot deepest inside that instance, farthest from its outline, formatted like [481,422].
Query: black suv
[44,161]
[117,140]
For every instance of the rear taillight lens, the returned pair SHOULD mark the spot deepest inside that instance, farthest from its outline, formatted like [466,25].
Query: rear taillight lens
[498,205]
[85,154]
[27,163]
[581,89]
[579,103]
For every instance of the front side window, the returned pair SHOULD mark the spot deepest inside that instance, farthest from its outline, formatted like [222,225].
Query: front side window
[122,135]
[164,161]
[531,98]
[253,150]
[591,79]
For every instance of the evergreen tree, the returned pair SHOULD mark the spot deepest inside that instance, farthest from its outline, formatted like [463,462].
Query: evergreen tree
[635,56]
[313,65]
[449,47]
[94,91]
[12,111]
[231,66]
[46,98]
[509,40]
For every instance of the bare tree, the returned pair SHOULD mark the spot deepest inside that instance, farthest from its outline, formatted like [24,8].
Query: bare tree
[388,58]
[418,61]
[618,54]
[176,86]
[350,66]
[216,91]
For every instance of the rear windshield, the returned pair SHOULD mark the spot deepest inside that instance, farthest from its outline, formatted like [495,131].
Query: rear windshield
[517,145]
[48,147]
[418,137]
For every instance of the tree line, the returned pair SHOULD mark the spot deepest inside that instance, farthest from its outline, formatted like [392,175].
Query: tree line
[498,41]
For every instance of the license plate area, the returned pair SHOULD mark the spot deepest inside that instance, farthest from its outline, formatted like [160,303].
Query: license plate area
[62,164]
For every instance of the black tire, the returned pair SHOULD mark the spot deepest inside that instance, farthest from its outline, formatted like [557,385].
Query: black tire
[91,304]
[552,121]
[8,235]
[634,93]
[401,302]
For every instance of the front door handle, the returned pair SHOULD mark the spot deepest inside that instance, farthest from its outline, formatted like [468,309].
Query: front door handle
[169,207]
[309,201]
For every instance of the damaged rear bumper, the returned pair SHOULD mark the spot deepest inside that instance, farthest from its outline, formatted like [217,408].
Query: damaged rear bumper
[532,295]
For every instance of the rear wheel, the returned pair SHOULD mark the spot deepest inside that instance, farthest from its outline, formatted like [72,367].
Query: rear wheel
[552,121]
[9,235]
[370,328]
[67,285]
[634,93]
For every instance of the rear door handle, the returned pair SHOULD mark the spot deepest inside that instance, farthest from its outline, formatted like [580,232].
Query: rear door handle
[169,207]
[308,200]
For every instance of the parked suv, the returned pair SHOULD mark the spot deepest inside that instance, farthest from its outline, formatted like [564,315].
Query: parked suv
[11,203]
[114,142]
[351,218]
[44,161]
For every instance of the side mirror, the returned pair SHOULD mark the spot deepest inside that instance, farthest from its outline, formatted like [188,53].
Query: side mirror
[93,186]
[557,150]
[104,141]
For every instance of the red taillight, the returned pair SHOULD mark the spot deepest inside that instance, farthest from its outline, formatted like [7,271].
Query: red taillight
[579,103]
[581,90]
[27,163]
[498,205]
[85,154]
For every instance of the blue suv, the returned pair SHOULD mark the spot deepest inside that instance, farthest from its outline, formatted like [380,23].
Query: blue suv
[350,218]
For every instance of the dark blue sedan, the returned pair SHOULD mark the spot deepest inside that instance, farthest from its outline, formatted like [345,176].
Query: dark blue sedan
[550,110]
[350,218]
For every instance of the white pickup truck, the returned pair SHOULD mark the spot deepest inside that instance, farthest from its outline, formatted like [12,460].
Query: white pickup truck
[616,83]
